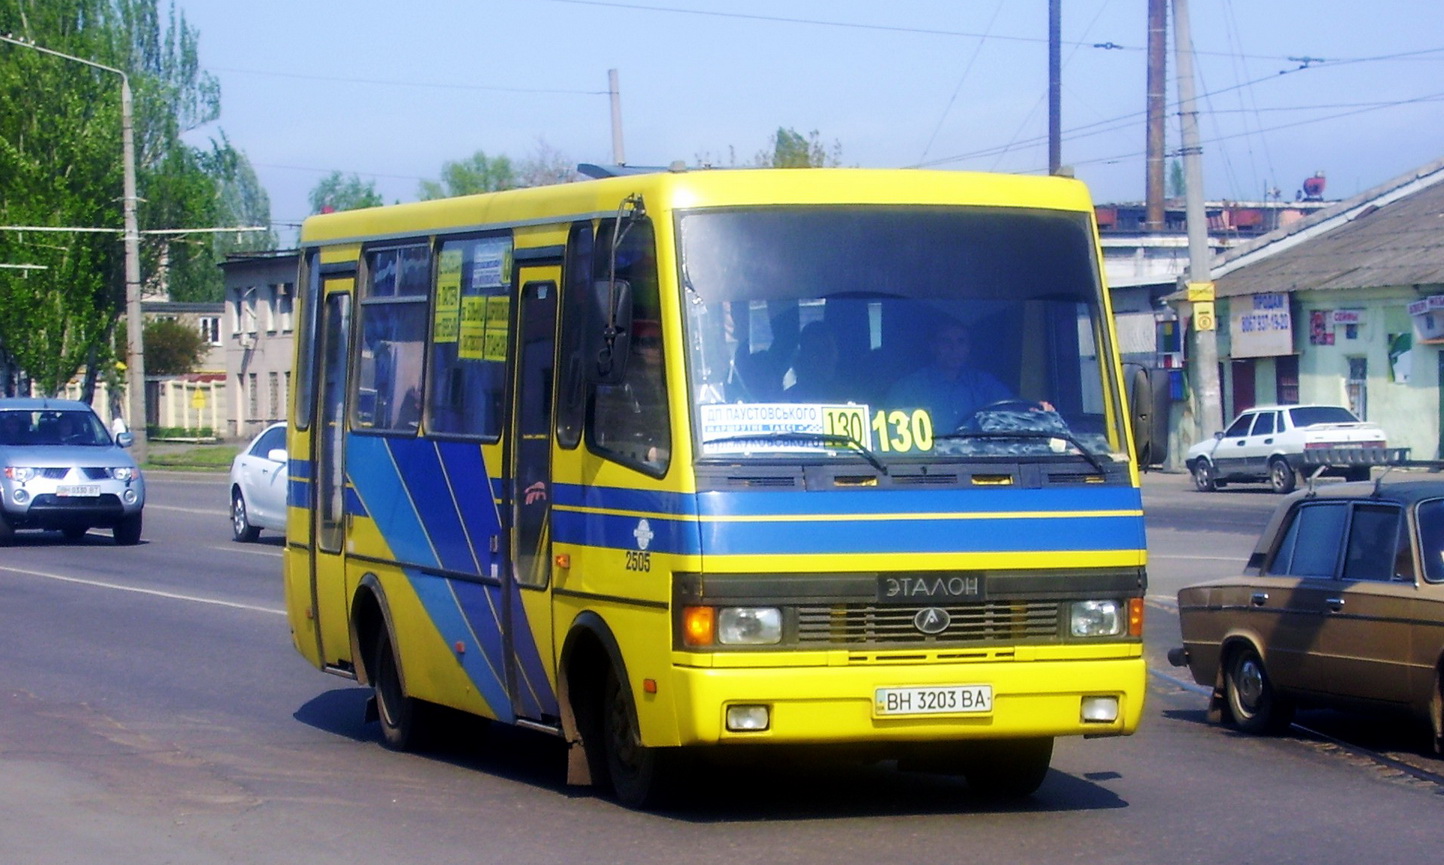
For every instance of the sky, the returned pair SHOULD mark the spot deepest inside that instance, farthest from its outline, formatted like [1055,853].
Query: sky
[392,90]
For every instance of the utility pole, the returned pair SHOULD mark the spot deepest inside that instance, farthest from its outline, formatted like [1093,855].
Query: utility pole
[1207,397]
[1055,86]
[1154,184]
[618,157]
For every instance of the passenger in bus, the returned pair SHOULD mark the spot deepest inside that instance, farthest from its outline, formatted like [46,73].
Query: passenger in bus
[949,388]
[815,367]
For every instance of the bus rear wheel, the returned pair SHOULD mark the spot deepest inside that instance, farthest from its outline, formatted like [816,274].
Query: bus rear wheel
[403,718]
[642,777]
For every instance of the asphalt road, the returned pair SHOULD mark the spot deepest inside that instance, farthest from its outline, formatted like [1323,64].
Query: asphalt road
[153,710]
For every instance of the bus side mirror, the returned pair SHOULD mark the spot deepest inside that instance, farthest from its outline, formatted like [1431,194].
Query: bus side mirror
[608,331]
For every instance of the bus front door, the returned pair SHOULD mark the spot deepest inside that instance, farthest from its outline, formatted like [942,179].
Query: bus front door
[528,603]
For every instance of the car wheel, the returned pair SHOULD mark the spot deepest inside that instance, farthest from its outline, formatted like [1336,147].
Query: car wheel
[1010,769]
[404,720]
[1203,477]
[74,533]
[241,529]
[1436,714]
[127,531]
[642,777]
[1282,477]
[1255,707]
[7,533]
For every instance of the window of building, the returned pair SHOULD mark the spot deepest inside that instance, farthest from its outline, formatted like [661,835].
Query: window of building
[284,294]
[391,356]
[210,328]
[1358,387]
[275,383]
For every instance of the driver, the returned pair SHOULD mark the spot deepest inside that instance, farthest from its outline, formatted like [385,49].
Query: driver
[948,387]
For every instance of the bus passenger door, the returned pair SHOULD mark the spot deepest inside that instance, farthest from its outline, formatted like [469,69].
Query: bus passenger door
[328,530]
[528,603]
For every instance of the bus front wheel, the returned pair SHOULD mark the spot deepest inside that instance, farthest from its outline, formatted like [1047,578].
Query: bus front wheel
[1010,769]
[641,777]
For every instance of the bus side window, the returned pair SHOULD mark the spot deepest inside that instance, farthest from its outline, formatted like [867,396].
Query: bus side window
[393,338]
[630,422]
[572,385]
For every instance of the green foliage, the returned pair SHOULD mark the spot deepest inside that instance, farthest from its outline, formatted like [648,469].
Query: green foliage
[171,348]
[790,149]
[1177,184]
[336,191]
[478,173]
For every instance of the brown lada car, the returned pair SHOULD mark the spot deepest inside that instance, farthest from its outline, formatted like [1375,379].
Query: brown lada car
[1341,604]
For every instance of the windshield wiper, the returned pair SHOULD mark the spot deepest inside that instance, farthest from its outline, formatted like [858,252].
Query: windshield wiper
[1029,434]
[836,439]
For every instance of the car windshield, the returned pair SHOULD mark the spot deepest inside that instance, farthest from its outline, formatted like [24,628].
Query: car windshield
[34,428]
[1310,415]
[905,332]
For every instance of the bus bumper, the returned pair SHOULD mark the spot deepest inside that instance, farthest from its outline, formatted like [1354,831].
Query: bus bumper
[821,705]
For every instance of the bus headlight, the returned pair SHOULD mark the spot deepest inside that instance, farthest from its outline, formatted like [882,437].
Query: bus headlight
[1096,619]
[749,626]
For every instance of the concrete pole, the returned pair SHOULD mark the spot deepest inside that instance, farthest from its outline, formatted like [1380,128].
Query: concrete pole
[1203,365]
[1157,94]
[618,156]
[1055,86]
[135,325]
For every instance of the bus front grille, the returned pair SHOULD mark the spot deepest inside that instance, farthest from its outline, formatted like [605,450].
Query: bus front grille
[877,624]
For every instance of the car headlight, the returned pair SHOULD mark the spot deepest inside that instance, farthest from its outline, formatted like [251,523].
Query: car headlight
[122,473]
[749,626]
[1096,619]
[20,473]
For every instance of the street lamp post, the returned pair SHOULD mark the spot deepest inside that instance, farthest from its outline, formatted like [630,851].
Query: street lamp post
[135,350]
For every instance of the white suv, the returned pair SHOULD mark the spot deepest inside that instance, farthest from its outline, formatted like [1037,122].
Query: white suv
[1270,443]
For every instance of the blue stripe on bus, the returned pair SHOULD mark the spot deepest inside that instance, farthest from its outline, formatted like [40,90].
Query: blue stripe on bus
[468,613]
[298,493]
[384,493]
[934,521]
[436,502]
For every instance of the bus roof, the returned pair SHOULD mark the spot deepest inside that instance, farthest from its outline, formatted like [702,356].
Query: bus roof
[670,189]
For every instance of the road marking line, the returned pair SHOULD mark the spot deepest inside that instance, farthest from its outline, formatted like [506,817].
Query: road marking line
[155,592]
[1182,683]
[260,551]
[207,511]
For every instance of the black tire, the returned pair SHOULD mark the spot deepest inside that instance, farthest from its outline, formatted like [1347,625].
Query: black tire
[1204,477]
[1255,706]
[1282,476]
[405,721]
[1436,715]
[7,533]
[1010,769]
[127,531]
[642,778]
[74,533]
[241,529]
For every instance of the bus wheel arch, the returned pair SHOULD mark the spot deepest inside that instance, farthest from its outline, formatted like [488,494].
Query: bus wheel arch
[589,651]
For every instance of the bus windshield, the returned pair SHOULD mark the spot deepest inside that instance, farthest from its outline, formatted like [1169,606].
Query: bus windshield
[907,332]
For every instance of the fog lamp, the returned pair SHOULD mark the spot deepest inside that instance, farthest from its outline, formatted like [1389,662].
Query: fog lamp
[129,497]
[1100,710]
[748,719]
[21,497]
[1096,619]
[749,626]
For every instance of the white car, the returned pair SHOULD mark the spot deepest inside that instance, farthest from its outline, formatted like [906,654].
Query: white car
[258,485]
[1270,443]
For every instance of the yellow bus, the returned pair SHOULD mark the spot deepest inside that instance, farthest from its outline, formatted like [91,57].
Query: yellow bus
[667,463]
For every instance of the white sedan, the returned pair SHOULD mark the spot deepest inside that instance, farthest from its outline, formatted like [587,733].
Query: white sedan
[1273,443]
[258,485]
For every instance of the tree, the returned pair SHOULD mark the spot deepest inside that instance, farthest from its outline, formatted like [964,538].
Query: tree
[789,149]
[171,348]
[546,166]
[60,166]
[336,191]
[477,173]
